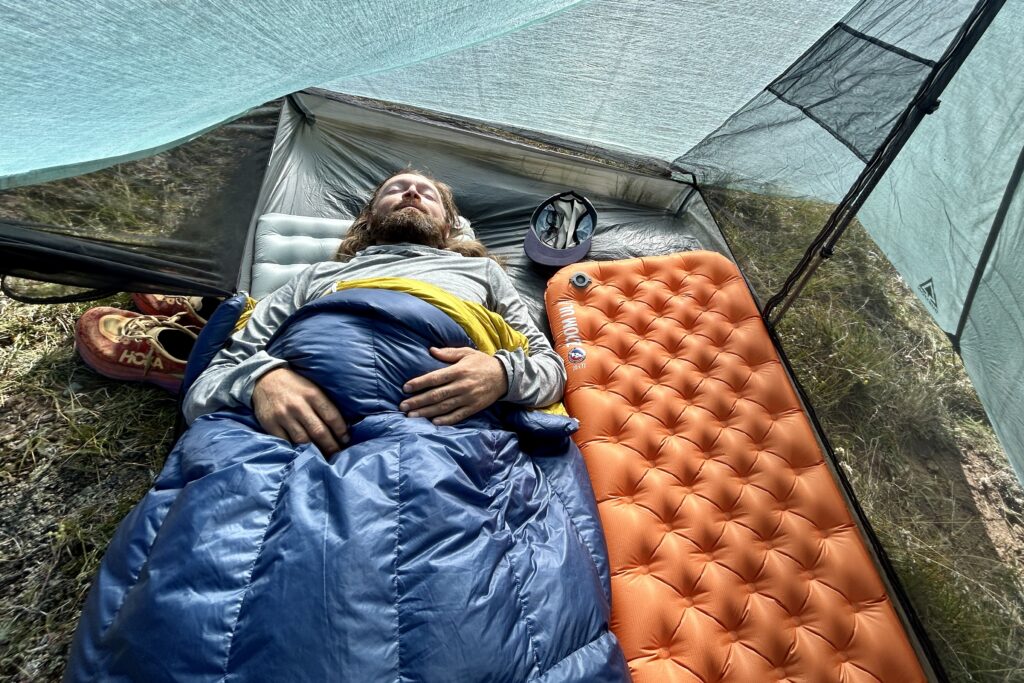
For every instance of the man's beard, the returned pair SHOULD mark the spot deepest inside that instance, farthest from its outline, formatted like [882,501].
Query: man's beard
[407,225]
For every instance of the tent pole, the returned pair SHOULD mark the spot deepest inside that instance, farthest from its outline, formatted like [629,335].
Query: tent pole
[793,295]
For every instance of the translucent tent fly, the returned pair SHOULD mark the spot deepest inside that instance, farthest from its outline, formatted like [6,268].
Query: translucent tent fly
[592,71]
[905,114]
[576,66]
[110,66]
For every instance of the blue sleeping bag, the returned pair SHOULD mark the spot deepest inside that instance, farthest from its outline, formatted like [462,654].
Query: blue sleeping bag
[418,553]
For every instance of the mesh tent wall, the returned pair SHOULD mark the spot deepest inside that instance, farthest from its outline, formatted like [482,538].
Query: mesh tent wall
[165,223]
[947,211]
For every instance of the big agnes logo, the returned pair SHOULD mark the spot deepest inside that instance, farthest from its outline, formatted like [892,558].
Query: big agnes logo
[571,334]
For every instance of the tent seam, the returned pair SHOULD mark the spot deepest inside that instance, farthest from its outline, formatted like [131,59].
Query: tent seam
[886,46]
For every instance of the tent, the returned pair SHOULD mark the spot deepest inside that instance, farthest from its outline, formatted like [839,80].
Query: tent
[904,114]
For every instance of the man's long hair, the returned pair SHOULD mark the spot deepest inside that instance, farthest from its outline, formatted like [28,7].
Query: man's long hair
[360,234]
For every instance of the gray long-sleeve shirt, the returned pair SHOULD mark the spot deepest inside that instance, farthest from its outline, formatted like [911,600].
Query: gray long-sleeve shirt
[534,379]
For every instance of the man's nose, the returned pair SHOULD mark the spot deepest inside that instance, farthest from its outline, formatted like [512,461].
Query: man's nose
[411,191]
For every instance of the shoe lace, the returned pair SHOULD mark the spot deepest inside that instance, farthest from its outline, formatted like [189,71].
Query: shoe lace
[139,327]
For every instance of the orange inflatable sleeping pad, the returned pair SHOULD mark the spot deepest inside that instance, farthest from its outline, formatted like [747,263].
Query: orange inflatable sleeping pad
[733,554]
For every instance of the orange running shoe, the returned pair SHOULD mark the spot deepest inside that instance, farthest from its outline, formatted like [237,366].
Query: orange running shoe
[195,309]
[130,346]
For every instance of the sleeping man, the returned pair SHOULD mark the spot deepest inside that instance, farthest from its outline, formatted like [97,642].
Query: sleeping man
[407,230]
[367,490]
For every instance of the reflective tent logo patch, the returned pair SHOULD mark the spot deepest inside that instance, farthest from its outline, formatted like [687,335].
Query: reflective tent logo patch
[928,290]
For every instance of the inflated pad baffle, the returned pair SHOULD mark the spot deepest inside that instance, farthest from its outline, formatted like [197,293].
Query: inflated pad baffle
[733,554]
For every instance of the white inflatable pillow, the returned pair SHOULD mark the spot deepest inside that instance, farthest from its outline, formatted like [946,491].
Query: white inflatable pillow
[285,244]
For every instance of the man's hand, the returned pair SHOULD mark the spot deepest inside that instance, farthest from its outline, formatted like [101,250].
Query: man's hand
[473,382]
[291,407]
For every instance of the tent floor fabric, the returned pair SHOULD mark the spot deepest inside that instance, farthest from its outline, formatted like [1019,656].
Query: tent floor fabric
[733,554]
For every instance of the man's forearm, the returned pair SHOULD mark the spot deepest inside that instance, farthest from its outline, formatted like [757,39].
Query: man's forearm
[227,384]
[228,381]
[534,380]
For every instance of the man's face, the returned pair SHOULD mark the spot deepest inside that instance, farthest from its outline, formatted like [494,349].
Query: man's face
[408,208]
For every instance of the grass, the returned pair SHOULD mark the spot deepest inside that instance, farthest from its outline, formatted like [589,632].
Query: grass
[130,202]
[119,202]
[77,451]
[907,427]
